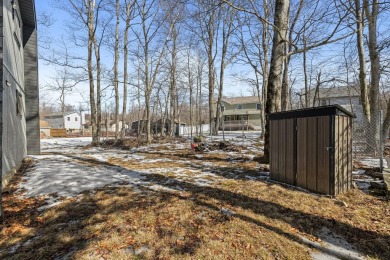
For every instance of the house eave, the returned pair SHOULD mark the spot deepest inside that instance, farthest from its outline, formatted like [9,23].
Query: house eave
[27,10]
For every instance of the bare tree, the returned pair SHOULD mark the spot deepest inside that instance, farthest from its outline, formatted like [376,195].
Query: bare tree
[89,13]
[207,18]
[256,54]
[174,12]
[62,83]
[275,77]
[362,60]
[116,72]
[285,95]
[129,10]
[66,78]
[151,59]
[228,20]
[371,11]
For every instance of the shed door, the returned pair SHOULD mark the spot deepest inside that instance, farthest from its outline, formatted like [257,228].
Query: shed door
[313,153]
[282,150]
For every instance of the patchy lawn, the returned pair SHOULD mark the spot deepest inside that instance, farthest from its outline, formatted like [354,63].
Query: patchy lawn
[167,202]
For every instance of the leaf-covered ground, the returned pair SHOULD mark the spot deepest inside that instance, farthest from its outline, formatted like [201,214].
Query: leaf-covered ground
[167,202]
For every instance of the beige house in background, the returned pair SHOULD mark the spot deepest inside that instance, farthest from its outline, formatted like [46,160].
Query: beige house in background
[241,113]
[346,96]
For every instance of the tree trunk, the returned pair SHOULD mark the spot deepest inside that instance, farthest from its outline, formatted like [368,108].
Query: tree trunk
[125,72]
[172,83]
[190,85]
[211,85]
[91,36]
[285,85]
[307,88]
[227,29]
[261,102]
[317,89]
[139,100]
[285,81]
[116,61]
[265,68]
[372,16]
[273,103]
[362,62]
[98,90]
[197,105]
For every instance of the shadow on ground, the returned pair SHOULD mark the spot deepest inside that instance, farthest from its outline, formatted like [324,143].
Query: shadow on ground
[76,224]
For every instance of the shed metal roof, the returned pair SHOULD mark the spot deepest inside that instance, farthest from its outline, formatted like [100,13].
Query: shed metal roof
[311,112]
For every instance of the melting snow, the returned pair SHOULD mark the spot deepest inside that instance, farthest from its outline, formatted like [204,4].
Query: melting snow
[65,170]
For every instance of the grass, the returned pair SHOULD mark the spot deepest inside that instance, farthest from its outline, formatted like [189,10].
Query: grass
[267,222]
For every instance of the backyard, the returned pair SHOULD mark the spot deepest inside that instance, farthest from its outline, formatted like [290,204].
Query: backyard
[166,201]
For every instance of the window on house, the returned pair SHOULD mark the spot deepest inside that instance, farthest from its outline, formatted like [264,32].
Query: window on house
[17,40]
[239,106]
[68,118]
[258,106]
[75,119]
[19,104]
[17,16]
[13,9]
[15,12]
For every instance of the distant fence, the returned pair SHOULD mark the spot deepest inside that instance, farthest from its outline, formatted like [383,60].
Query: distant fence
[367,144]
[58,132]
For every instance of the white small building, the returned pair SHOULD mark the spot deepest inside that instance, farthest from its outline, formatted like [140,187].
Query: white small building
[69,121]
[112,126]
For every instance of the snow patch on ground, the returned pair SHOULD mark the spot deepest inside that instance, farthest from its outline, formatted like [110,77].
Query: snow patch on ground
[334,246]
[65,170]
[373,162]
[66,178]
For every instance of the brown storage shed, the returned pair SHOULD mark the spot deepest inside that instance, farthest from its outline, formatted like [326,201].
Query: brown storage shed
[312,148]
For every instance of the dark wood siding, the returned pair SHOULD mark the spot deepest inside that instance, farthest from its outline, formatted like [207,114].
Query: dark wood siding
[313,142]
[302,156]
[311,163]
[323,154]
[282,150]
[290,151]
[343,154]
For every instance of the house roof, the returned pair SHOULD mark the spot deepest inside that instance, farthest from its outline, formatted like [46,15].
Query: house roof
[336,92]
[241,100]
[60,114]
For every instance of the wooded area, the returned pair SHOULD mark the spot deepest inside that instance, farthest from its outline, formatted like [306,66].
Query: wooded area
[175,57]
